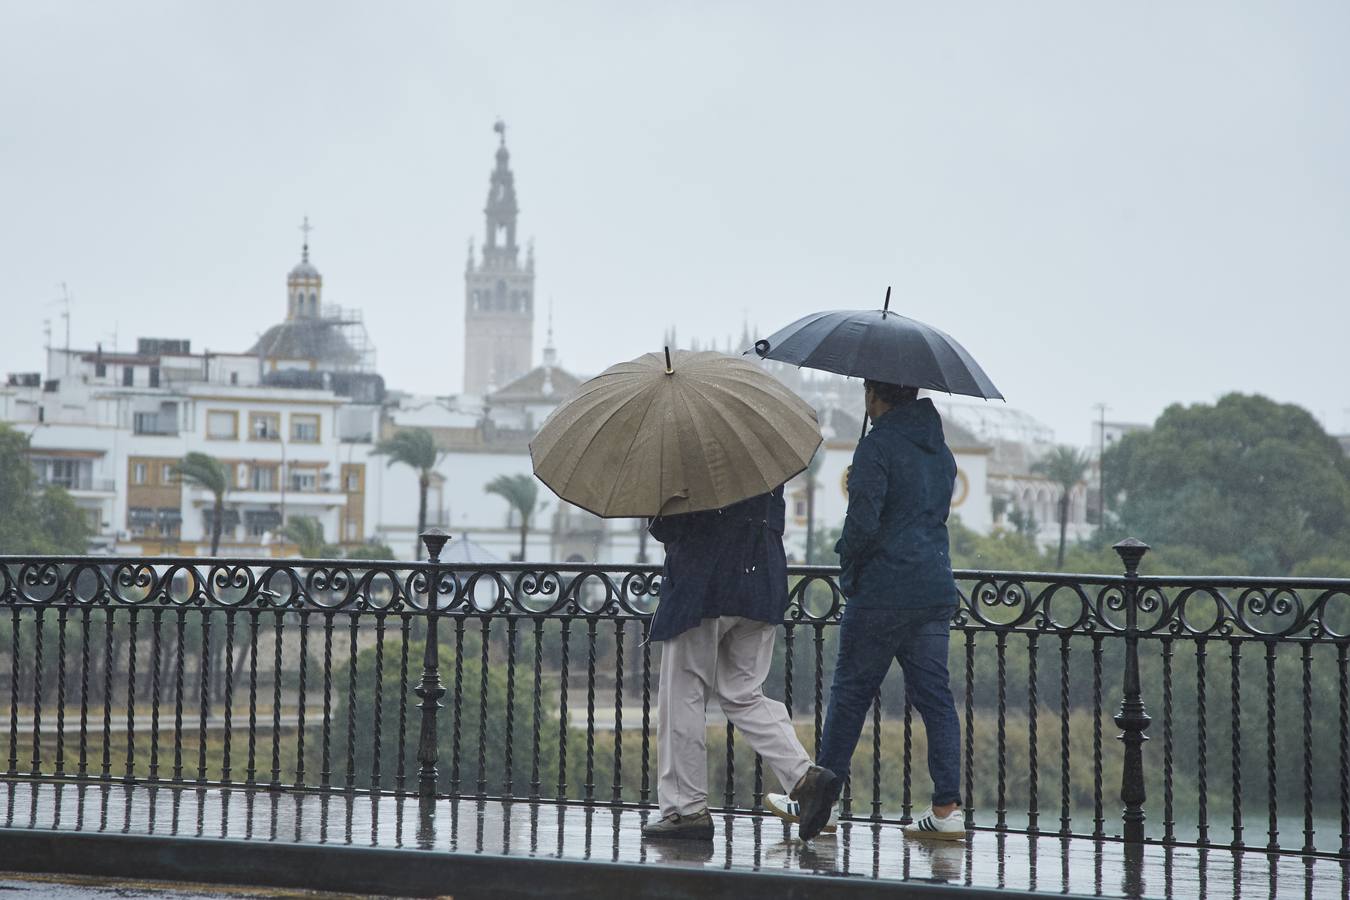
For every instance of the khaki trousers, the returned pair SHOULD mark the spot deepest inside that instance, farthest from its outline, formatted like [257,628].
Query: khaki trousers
[728,657]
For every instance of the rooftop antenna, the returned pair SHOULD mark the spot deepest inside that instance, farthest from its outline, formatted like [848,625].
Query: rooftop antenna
[65,300]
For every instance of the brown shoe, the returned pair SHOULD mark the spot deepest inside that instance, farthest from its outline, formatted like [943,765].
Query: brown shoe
[695,827]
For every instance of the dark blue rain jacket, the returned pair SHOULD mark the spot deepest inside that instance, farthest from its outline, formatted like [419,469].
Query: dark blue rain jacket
[894,550]
[723,562]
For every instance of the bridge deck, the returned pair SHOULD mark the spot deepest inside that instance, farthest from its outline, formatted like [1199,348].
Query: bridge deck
[504,849]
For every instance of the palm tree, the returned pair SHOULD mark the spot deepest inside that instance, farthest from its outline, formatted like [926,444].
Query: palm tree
[812,470]
[209,473]
[521,492]
[1066,467]
[415,448]
[306,532]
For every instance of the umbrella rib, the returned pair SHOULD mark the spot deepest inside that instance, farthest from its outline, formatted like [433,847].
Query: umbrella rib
[596,434]
[715,408]
[637,432]
[786,443]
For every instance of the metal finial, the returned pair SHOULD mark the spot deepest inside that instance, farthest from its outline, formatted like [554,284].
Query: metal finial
[434,539]
[500,127]
[306,228]
[886,307]
[670,370]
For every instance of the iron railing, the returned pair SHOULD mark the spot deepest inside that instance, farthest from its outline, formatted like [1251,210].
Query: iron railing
[535,683]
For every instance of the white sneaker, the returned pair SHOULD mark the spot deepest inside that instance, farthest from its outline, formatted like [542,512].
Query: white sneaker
[787,809]
[951,827]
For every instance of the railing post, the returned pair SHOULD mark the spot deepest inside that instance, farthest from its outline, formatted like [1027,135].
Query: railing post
[430,689]
[1132,719]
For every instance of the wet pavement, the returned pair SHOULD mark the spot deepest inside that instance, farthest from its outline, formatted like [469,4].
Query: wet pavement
[601,834]
[57,887]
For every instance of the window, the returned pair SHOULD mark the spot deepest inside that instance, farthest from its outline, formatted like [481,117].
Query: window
[169,520]
[154,376]
[304,428]
[228,522]
[353,482]
[65,473]
[263,478]
[139,473]
[128,376]
[100,370]
[234,378]
[221,425]
[304,480]
[140,519]
[351,531]
[261,521]
[166,473]
[264,426]
[92,520]
[154,423]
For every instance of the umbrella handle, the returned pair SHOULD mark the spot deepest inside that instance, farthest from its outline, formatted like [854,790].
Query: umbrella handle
[864,428]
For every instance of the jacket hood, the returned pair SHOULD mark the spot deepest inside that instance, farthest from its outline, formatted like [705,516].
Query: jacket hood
[918,421]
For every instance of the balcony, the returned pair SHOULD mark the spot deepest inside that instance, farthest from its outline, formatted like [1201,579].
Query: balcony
[274,496]
[83,484]
[157,424]
[328,723]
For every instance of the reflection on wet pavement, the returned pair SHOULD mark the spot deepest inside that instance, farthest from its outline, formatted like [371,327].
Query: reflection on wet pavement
[601,833]
[74,887]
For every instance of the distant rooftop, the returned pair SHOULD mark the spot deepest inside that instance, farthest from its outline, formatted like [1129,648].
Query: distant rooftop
[542,383]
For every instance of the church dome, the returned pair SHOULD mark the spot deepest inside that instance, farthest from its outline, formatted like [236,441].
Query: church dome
[319,340]
[304,269]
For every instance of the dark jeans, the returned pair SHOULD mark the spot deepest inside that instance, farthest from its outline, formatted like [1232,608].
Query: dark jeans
[869,639]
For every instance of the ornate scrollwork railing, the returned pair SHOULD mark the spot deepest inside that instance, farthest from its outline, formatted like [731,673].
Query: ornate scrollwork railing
[81,629]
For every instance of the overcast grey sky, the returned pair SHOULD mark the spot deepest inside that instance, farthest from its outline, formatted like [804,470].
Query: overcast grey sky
[1135,203]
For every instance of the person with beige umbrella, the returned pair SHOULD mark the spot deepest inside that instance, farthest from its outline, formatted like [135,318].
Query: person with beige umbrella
[700,444]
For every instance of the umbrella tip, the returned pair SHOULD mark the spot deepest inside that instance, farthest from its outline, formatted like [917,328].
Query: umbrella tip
[886,307]
[670,370]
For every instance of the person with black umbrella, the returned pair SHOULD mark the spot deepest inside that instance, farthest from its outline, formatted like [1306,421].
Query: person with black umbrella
[897,575]
[894,552]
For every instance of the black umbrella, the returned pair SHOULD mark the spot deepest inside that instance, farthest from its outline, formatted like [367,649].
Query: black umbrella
[880,345]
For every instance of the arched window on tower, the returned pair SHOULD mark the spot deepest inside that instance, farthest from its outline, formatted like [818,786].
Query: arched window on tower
[314,304]
[501,295]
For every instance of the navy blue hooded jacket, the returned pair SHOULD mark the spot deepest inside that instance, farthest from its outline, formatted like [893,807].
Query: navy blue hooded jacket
[723,562]
[894,550]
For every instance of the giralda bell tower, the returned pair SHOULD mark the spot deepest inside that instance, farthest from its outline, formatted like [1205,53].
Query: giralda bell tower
[498,291]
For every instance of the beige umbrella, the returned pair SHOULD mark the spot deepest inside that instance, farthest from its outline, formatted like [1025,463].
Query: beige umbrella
[674,434]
